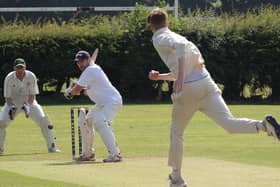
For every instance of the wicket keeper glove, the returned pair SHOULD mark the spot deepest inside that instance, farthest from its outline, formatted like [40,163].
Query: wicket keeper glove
[67,93]
[26,109]
[12,111]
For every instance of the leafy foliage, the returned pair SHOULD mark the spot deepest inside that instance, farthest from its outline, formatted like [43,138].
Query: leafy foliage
[239,50]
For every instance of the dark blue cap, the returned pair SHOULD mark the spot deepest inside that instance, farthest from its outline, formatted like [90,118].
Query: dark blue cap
[81,55]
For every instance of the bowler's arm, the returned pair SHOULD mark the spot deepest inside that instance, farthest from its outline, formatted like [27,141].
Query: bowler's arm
[178,83]
[179,47]
[166,77]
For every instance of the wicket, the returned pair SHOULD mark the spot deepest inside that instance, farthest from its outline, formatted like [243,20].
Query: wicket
[73,134]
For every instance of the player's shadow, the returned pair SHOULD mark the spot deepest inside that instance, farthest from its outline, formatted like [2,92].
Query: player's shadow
[74,163]
[21,154]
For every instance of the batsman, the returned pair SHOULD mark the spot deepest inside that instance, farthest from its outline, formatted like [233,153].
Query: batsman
[108,102]
[20,90]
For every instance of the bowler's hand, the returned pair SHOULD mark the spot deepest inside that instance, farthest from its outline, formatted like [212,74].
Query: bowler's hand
[178,85]
[153,75]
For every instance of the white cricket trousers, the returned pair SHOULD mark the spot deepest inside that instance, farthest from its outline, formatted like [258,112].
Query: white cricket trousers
[36,114]
[205,96]
[101,118]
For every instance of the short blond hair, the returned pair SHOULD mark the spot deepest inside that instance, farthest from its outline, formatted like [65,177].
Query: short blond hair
[158,18]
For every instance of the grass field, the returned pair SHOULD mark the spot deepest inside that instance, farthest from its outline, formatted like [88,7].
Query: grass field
[213,157]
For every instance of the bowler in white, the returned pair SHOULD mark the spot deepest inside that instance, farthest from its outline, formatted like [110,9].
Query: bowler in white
[193,90]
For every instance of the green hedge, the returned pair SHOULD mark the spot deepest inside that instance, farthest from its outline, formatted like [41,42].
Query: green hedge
[239,50]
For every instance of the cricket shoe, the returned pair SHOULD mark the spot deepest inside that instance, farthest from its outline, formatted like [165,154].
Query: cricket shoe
[272,127]
[176,182]
[113,158]
[1,151]
[82,157]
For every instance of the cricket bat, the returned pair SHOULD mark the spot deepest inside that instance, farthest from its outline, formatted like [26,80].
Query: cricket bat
[94,55]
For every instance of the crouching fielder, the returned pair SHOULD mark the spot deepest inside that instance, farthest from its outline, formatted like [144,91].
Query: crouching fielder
[108,103]
[20,88]
[193,90]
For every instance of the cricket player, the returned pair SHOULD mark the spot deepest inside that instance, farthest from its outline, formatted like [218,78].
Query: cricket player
[20,90]
[193,90]
[108,102]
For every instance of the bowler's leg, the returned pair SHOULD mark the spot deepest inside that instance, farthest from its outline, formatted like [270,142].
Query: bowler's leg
[214,106]
[182,112]
[181,115]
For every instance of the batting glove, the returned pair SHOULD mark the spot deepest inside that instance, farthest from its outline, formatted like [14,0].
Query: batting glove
[67,93]
[72,84]
[26,109]
[12,111]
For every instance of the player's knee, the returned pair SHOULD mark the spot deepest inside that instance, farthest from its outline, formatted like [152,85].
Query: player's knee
[176,137]
[82,117]
[99,125]
[89,122]
[45,123]
[176,132]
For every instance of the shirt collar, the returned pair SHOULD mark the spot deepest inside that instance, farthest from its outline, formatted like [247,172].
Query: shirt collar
[160,31]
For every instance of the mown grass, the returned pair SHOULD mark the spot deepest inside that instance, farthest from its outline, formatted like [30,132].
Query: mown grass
[143,133]
[143,130]
[13,179]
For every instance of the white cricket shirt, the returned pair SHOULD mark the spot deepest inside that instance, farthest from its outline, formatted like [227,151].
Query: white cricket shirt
[20,90]
[99,88]
[172,46]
